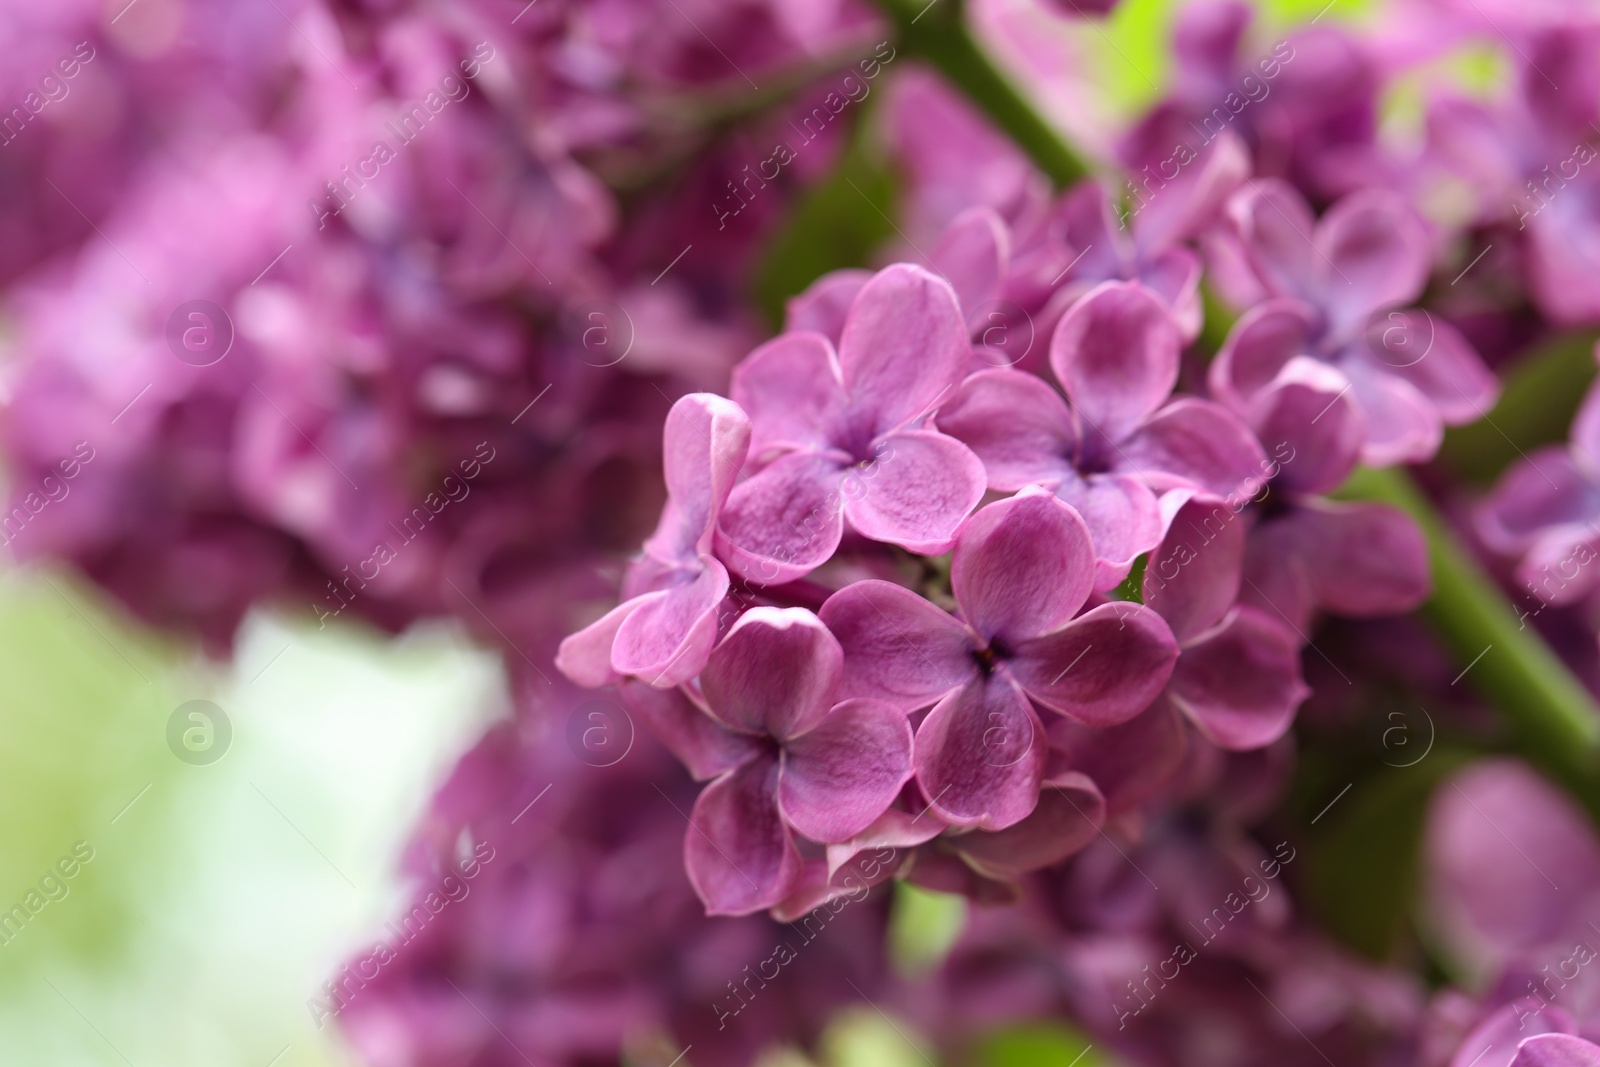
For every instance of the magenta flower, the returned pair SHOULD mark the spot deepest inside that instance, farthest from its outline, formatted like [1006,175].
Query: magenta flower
[787,758]
[1021,570]
[664,631]
[840,435]
[1121,443]
[1410,372]
[1546,509]
[1557,1050]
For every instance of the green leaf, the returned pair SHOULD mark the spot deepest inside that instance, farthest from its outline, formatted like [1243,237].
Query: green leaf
[923,925]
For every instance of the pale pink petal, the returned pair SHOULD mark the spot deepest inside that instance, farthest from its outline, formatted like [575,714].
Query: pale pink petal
[666,639]
[585,657]
[980,755]
[825,303]
[1016,424]
[1194,443]
[791,390]
[704,444]
[1258,347]
[1102,668]
[1193,578]
[972,254]
[1123,518]
[738,851]
[1372,253]
[915,492]
[904,347]
[1241,683]
[701,743]
[841,775]
[785,521]
[1115,353]
[898,647]
[776,673]
[1022,566]
[1560,566]
[1557,1050]
[1068,817]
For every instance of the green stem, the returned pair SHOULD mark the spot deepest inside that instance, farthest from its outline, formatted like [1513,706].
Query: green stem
[1554,717]
[937,34]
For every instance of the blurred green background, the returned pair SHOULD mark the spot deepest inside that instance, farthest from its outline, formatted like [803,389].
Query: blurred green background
[219,896]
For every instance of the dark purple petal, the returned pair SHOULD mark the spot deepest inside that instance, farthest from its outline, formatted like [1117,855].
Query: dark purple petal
[738,851]
[1102,668]
[915,492]
[904,347]
[669,634]
[1115,353]
[776,673]
[841,775]
[1362,559]
[1068,817]
[791,390]
[1372,253]
[1557,1050]
[1016,424]
[898,647]
[785,521]
[825,303]
[1241,683]
[1022,566]
[1258,347]
[1311,425]
[1197,444]
[980,755]
[1192,579]
[700,742]
[1131,762]
[972,255]
[1124,521]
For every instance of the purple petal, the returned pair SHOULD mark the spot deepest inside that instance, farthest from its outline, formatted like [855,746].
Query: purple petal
[1174,276]
[1241,683]
[739,854]
[669,634]
[840,776]
[585,657]
[700,742]
[704,445]
[1276,227]
[1016,424]
[1311,425]
[785,521]
[1197,444]
[972,254]
[1190,205]
[790,387]
[1102,668]
[1450,372]
[776,673]
[1373,253]
[1510,861]
[1192,579]
[1557,1050]
[1494,1041]
[915,492]
[1275,578]
[1115,353]
[1403,426]
[895,830]
[1258,347]
[1022,566]
[1123,518]
[1558,567]
[1068,816]
[825,303]
[1131,762]
[980,755]
[904,346]
[1362,559]
[1586,432]
[898,647]
[1542,491]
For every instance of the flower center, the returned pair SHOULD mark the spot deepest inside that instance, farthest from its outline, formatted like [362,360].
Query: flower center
[990,656]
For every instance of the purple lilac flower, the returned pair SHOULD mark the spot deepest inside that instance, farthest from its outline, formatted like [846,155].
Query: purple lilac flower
[1410,373]
[1121,442]
[841,435]
[1021,571]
